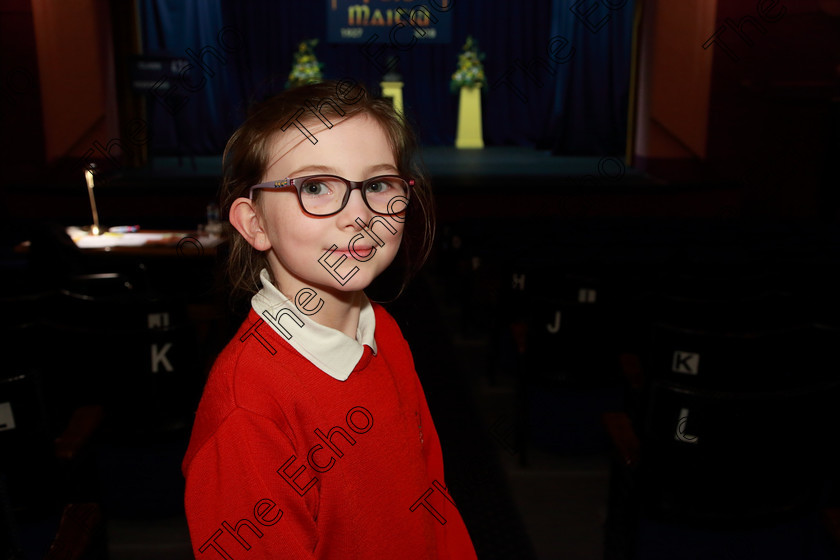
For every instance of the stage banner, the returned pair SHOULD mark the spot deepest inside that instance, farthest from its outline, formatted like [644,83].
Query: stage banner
[403,23]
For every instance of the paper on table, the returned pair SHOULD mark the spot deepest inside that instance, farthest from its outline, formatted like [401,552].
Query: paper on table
[85,240]
[121,240]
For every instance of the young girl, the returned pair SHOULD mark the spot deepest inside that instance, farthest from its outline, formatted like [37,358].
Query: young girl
[313,437]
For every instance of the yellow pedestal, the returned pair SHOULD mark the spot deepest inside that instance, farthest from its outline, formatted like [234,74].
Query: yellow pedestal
[469,119]
[394,91]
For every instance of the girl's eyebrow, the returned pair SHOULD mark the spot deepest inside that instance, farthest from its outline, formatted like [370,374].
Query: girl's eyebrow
[382,167]
[310,169]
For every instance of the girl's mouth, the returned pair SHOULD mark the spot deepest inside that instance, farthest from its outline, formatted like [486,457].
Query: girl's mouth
[361,250]
[357,252]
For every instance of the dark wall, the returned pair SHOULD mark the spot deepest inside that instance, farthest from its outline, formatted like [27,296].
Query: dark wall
[774,116]
[21,123]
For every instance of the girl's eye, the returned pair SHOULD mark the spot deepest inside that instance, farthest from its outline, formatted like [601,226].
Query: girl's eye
[315,188]
[378,187]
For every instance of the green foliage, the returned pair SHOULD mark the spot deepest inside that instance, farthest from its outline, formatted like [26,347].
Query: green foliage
[470,71]
[305,69]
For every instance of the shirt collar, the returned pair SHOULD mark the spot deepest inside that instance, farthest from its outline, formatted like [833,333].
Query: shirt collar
[330,350]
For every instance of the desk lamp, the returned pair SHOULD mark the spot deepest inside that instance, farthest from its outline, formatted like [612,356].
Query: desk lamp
[94,229]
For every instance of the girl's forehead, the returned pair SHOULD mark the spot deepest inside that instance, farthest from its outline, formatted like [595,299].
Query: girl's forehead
[351,142]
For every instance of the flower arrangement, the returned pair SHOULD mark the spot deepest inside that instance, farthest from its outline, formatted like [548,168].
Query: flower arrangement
[470,71]
[305,69]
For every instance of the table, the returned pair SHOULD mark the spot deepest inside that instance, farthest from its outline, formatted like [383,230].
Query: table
[152,243]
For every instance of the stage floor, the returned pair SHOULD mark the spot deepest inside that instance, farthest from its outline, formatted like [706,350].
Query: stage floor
[503,164]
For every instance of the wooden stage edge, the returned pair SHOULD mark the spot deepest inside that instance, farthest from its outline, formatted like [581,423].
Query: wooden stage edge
[172,192]
[485,168]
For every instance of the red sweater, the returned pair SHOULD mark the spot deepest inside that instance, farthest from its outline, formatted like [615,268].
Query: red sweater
[288,462]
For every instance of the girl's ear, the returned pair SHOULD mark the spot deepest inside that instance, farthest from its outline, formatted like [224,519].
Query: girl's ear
[244,217]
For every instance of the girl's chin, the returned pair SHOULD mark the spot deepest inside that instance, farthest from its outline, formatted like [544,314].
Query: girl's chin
[355,283]
[350,276]
[331,277]
[342,279]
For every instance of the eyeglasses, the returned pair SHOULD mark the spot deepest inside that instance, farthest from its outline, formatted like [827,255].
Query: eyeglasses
[325,195]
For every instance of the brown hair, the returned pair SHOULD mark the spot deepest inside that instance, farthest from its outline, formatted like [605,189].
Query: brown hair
[246,158]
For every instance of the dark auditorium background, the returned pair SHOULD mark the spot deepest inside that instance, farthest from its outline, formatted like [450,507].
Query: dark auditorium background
[626,330]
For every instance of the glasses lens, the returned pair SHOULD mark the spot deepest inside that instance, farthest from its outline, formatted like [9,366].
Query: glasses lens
[322,195]
[381,191]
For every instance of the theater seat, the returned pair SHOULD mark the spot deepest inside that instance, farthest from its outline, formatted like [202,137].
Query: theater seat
[732,444]
[129,350]
[689,514]
[47,477]
[567,368]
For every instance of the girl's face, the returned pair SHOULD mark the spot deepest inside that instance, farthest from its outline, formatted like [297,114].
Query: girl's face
[356,149]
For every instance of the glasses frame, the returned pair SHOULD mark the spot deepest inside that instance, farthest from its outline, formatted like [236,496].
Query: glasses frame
[297,184]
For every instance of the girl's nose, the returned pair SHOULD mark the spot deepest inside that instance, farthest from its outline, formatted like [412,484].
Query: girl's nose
[356,208]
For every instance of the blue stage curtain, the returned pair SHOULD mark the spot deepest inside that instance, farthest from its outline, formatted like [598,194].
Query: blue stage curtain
[591,92]
[578,107]
[189,119]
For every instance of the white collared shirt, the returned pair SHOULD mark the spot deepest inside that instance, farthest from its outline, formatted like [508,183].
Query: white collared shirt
[330,350]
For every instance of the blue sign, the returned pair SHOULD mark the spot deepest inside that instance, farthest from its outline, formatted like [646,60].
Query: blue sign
[403,23]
